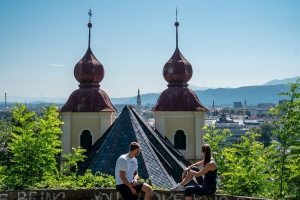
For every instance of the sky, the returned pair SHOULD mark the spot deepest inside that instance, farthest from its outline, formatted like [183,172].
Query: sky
[230,43]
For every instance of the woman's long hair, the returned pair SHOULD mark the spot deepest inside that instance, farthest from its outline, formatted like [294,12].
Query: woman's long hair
[207,153]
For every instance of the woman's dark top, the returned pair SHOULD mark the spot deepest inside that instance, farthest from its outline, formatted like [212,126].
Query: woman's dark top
[210,178]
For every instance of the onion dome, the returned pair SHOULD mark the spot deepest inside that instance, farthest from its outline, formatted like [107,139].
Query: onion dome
[177,72]
[89,72]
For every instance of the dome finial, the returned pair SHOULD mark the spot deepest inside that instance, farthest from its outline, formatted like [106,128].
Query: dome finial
[176,24]
[90,14]
[90,25]
[176,13]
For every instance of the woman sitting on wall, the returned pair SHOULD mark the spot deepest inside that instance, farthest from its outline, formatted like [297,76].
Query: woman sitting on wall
[206,186]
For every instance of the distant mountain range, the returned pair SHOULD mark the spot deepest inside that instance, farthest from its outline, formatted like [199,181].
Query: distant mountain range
[222,96]
[283,81]
[267,92]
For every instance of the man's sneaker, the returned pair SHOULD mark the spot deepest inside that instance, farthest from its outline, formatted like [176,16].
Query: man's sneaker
[178,187]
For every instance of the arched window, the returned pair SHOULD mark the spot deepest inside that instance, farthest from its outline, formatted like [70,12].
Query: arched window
[180,140]
[86,140]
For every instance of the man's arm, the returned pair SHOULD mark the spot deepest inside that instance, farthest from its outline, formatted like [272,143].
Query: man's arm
[125,181]
[135,178]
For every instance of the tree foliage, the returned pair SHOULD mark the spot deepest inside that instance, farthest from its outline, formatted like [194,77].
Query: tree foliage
[5,136]
[34,145]
[266,130]
[251,169]
[216,139]
[287,166]
[245,167]
[247,112]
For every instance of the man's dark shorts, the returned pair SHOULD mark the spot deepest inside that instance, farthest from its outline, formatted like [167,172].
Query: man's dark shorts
[126,192]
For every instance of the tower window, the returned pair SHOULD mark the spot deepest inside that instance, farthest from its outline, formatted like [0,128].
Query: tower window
[180,140]
[86,140]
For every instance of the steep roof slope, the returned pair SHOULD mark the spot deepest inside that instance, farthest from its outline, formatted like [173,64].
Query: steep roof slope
[158,159]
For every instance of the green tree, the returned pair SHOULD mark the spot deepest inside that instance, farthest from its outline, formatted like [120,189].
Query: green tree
[34,145]
[265,130]
[287,165]
[5,136]
[244,169]
[247,112]
[216,139]
[72,161]
[148,115]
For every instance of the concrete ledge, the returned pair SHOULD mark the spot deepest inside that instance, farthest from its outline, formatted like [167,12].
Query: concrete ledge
[104,194]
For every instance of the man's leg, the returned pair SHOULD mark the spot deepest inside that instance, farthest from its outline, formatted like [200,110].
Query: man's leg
[148,191]
[126,193]
[141,186]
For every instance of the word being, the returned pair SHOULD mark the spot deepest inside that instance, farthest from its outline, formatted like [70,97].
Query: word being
[33,195]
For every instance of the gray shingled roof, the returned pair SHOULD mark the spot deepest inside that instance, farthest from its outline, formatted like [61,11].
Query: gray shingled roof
[158,158]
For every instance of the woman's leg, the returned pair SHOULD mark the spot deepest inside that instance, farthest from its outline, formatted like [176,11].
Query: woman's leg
[187,179]
[197,189]
[189,176]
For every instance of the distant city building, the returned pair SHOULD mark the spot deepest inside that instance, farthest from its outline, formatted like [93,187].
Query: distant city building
[223,120]
[282,101]
[213,108]
[237,104]
[266,105]
[5,102]
[236,130]
[245,104]
[151,122]
[257,111]
[139,102]
[249,123]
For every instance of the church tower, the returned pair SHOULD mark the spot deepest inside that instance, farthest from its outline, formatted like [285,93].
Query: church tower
[245,104]
[179,115]
[88,113]
[213,108]
[139,102]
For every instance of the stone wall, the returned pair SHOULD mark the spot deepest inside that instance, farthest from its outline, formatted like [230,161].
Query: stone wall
[103,194]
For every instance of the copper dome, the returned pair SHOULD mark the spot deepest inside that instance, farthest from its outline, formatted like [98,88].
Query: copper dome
[89,69]
[177,69]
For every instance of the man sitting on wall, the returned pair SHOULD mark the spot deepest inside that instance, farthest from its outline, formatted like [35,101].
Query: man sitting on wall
[126,175]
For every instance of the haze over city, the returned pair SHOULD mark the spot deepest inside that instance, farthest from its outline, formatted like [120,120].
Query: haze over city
[229,43]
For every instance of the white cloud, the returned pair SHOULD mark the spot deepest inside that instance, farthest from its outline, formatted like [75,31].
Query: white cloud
[57,65]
